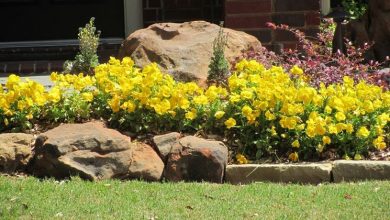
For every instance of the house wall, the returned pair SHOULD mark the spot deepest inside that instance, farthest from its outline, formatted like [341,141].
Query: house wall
[251,16]
[155,11]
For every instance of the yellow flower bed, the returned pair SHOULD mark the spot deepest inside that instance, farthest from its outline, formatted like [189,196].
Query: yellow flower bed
[262,112]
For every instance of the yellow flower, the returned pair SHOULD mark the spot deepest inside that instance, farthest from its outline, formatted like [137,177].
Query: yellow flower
[346,157]
[234,98]
[328,109]
[6,122]
[295,70]
[87,96]
[246,110]
[320,148]
[246,94]
[273,131]
[230,123]
[201,100]
[349,128]
[184,103]
[379,143]
[340,127]
[296,144]
[363,132]
[269,116]
[241,159]
[114,103]
[288,122]
[340,116]
[29,116]
[293,157]
[12,81]
[358,157]
[128,106]
[326,140]
[332,129]
[54,95]
[219,114]
[191,115]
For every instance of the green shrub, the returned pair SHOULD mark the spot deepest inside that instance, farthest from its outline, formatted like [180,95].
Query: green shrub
[219,66]
[87,57]
[355,8]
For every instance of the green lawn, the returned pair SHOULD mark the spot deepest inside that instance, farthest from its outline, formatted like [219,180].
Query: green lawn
[30,198]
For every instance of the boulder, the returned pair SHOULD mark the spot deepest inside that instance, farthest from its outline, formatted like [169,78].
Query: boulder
[93,152]
[166,143]
[145,164]
[183,50]
[197,159]
[15,151]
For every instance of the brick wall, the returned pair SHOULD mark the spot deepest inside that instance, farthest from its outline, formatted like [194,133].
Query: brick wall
[251,16]
[155,11]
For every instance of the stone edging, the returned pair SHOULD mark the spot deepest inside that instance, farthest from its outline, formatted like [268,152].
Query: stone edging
[309,173]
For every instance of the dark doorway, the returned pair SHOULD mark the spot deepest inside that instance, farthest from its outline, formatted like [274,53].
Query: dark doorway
[37,20]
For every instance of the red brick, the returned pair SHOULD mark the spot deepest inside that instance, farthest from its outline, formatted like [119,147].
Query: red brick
[267,46]
[258,21]
[282,35]
[313,19]
[311,32]
[297,5]
[183,15]
[292,46]
[244,7]
[264,36]
[293,20]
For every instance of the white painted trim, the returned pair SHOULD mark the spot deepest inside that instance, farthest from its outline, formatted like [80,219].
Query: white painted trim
[133,15]
[325,7]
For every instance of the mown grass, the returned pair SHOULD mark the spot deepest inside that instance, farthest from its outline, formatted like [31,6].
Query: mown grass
[30,198]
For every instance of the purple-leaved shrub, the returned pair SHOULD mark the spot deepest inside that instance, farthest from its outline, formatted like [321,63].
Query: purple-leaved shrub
[315,57]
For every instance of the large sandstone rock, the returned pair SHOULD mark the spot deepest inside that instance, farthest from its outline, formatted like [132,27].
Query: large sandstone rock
[145,164]
[183,50]
[15,151]
[93,152]
[166,144]
[312,173]
[196,159]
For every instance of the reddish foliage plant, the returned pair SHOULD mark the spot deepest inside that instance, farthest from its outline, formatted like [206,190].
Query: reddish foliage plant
[320,64]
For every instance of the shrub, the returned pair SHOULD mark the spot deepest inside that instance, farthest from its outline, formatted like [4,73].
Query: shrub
[355,8]
[262,112]
[87,58]
[315,57]
[219,66]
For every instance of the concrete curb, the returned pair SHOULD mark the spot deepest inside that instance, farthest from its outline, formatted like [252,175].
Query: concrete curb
[308,173]
[312,173]
[347,170]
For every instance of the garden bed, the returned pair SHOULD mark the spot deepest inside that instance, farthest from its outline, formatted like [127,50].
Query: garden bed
[259,114]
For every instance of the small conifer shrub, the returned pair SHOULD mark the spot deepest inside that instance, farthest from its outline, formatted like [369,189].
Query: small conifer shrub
[86,59]
[219,66]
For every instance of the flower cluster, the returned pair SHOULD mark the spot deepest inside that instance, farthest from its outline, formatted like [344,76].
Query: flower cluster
[20,102]
[261,112]
[288,115]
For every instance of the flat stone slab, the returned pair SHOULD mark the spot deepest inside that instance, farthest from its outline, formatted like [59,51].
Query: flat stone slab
[295,173]
[350,170]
